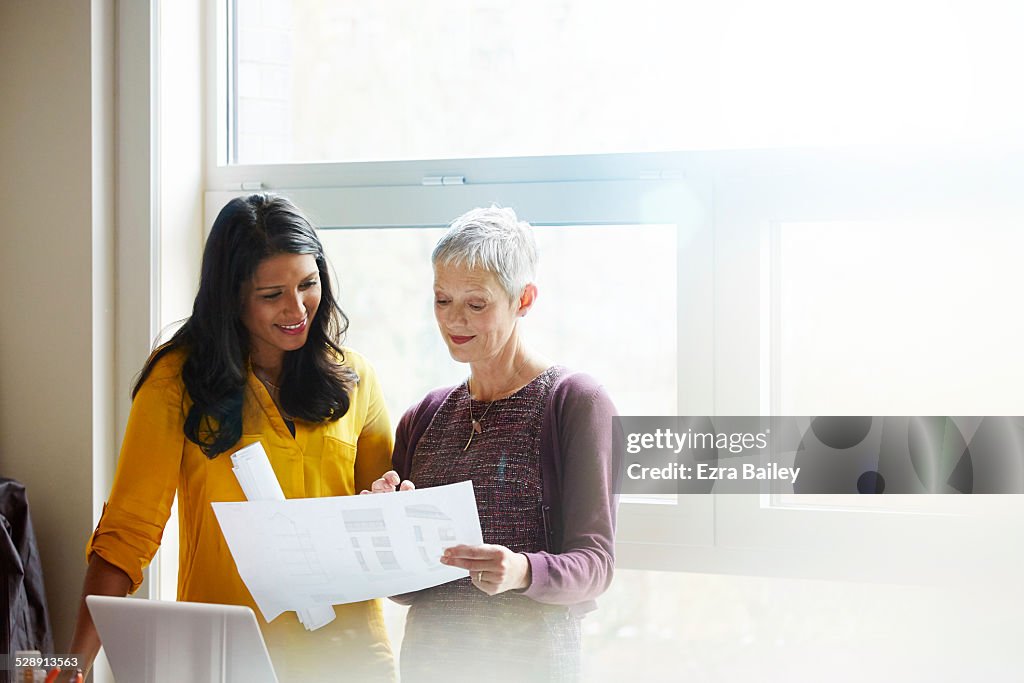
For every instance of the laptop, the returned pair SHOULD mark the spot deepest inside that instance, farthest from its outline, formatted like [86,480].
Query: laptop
[151,641]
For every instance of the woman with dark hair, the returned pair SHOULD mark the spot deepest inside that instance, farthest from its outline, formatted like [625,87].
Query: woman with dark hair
[259,359]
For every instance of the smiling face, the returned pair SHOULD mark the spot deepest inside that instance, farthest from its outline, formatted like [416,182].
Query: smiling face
[476,318]
[279,305]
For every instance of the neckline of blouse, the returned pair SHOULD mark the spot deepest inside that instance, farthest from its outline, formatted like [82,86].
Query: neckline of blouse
[514,392]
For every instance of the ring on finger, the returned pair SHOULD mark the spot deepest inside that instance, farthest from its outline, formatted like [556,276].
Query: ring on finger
[480,577]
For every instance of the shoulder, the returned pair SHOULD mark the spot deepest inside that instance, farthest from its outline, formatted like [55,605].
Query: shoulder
[413,424]
[355,360]
[578,392]
[429,404]
[573,386]
[416,419]
[575,382]
[365,388]
[167,366]
[163,384]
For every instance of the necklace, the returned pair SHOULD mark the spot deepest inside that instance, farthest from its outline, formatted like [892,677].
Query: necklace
[476,424]
[265,380]
[477,429]
[272,389]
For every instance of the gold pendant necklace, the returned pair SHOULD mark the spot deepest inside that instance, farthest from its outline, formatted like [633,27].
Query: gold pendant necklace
[476,424]
[477,428]
[268,383]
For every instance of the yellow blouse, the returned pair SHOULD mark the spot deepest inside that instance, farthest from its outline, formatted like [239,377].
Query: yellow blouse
[323,459]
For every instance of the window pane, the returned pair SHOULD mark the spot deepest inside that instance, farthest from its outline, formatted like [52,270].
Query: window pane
[386,290]
[607,305]
[900,318]
[319,80]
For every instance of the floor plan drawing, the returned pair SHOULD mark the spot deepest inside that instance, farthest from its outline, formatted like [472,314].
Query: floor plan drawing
[311,552]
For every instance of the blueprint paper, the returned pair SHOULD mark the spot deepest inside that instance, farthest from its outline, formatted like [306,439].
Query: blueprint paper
[254,473]
[308,552]
[252,468]
[258,481]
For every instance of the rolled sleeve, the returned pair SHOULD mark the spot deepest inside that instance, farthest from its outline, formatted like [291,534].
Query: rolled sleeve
[132,524]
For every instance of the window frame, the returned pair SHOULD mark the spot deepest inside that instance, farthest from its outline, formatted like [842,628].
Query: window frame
[915,539]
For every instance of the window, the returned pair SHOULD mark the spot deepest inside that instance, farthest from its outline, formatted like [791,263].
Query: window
[847,258]
[747,250]
[899,317]
[317,81]
[606,306]
[720,203]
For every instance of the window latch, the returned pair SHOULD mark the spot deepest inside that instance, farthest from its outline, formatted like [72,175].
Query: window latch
[443,180]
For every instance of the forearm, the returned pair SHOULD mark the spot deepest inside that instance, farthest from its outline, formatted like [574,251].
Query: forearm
[571,577]
[101,578]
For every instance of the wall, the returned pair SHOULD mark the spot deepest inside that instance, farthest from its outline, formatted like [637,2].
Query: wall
[56,274]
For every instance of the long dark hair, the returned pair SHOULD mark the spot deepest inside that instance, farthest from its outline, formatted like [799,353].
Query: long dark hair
[314,385]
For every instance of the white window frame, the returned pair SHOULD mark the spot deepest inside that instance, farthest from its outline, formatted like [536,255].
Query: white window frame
[917,538]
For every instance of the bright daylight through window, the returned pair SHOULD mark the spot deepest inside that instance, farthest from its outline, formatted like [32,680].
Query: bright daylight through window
[319,80]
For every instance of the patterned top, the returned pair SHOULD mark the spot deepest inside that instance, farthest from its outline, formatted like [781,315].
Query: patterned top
[503,461]
[451,625]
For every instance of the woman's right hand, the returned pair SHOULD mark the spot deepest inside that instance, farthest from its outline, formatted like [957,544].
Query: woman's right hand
[389,481]
[101,578]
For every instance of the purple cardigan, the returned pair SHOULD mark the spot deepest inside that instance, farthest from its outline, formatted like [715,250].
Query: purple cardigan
[578,499]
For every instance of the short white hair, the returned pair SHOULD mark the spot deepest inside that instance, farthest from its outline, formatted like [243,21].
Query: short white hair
[495,240]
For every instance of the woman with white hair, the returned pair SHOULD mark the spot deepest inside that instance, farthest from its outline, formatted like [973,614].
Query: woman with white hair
[535,439]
